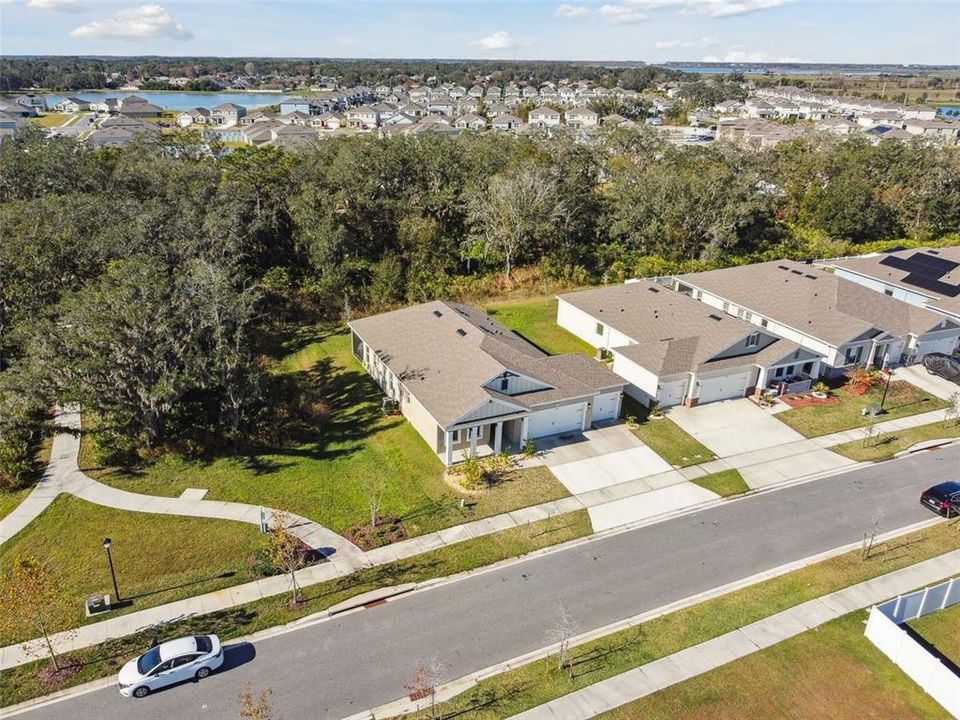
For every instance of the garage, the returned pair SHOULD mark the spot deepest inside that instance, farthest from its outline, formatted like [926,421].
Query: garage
[943,345]
[606,406]
[672,392]
[563,419]
[724,387]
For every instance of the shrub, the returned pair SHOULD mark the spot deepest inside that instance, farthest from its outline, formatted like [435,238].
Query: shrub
[529,449]
[821,387]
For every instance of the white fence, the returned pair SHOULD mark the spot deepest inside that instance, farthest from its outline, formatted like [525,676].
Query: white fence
[884,631]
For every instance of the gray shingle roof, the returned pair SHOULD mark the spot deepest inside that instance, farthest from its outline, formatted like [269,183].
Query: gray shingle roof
[444,353]
[813,301]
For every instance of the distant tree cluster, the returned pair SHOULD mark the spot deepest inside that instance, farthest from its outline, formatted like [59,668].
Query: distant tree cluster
[143,281]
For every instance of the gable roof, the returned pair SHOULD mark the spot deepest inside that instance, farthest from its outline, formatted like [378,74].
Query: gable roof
[813,301]
[671,332]
[444,353]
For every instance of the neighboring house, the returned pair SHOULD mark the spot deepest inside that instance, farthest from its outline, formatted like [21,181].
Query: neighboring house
[883,118]
[506,122]
[329,121]
[441,106]
[31,100]
[544,117]
[294,104]
[227,114]
[470,386]
[476,92]
[16,109]
[878,133]
[582,117]
[140,110]
[72,105]
[471,122]
[845,323]
[945,131]
[196,116]
[674,350]
[107,106]
[925,277]
[130,100]
[363,117]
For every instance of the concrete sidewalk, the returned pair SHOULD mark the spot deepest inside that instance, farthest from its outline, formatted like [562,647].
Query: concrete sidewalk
[635,684]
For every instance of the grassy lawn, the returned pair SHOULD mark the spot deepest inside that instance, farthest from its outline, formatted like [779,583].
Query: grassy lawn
[22,683]
[539,682]
[536,321]
[51,120]
[158,558]
[665,437]
[724,483]
[903,399]
[940,630]
[829,672]
[324,479]
[885,445]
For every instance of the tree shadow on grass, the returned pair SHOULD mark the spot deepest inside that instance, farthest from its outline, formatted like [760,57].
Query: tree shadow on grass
[221,576]
[489,700]
[592,660]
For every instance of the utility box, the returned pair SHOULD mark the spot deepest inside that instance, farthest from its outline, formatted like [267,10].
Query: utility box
[97,604]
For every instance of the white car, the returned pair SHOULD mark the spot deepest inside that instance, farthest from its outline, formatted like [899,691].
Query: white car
[171,662]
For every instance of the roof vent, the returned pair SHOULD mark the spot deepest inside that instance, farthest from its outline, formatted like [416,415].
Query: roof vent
[782,267]
[437,313]
[810,277]
[797,272]
[714,317]
[933,252]
[653,289]
[461,332]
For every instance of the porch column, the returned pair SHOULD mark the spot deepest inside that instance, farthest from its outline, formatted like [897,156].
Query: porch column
[497,437]
[448,446]
[762,380]
[473,432]
[524,430]
[872,353]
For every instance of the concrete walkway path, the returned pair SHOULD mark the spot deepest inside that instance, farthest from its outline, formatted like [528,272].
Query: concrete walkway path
[635,684]
[63,475]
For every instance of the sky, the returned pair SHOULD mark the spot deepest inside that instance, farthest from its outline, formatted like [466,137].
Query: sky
[848,31]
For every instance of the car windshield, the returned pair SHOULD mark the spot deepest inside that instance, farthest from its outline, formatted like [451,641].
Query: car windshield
[203,643]
[149,660]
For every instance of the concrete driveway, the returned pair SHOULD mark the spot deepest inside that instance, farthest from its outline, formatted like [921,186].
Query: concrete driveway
[918,376]
[750,439]
[617,476]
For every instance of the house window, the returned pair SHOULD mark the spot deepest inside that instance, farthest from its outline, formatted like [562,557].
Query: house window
[726,306]
[599,329]
[852,355]
[475,433]
[779,372]
[753,340]
[455,438]
[504,383]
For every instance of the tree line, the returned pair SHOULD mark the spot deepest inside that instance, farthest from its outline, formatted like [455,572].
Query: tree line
[145,281]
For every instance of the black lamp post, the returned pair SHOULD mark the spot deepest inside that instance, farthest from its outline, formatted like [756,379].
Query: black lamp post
[113,575]
[885,388]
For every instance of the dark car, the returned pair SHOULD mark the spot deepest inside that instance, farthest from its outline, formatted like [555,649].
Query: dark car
[943,498]
[946,366]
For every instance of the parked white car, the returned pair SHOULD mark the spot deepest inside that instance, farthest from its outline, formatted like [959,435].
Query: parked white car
[171,662]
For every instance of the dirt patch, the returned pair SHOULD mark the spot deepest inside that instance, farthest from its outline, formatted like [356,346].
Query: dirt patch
[385,532]
[51,678]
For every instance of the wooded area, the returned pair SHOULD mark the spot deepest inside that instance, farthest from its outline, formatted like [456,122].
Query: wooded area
[145,281]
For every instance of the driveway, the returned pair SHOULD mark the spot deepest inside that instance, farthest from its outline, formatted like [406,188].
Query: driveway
[750,439]
[918,376]
[617,476]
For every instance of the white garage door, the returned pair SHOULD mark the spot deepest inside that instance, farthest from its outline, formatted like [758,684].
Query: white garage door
[567,418]
[605,406]
[723,388]
[672,393]
[946,345]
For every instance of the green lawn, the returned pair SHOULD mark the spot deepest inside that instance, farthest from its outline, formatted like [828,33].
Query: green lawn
[9,499]
[940,629]
[830,672]
[158,558]
[664,436]
[903,399]
[536,320]
[885,445]
[21,683]
[51,120]
[724,483]
[324,479]
[517,690]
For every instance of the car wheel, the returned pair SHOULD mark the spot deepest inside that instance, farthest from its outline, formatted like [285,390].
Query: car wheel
[203,672]
[141,692]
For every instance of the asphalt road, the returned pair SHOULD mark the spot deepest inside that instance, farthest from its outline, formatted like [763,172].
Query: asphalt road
[364,659]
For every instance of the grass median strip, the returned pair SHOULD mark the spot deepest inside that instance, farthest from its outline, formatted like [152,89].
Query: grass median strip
[24,682]
[830,672]
[539,682]
[886,445]
[663,436]
[725,483]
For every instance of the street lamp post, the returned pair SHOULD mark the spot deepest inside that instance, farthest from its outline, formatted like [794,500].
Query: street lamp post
[885,388]
[113,575]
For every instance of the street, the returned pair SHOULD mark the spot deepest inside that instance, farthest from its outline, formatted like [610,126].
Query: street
[364,659]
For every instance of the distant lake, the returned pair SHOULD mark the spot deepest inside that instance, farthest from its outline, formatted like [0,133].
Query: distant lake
[177,100]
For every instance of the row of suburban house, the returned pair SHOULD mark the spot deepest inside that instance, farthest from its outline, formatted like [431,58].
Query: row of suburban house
[471,386]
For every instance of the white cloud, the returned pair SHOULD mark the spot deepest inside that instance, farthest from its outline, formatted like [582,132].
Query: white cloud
[573,11]
[70,6]
[502,40]
[141,23]
[703,42]
[713,8]
[620,14]
[737,54]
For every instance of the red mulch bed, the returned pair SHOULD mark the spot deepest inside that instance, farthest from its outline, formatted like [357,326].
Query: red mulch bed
[805,399]
[386,531]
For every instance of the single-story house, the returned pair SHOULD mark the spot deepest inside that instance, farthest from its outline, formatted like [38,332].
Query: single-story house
[674,350]
[107,106]
[471,122]
[72,105]
[545,117]
[506,122]
[470,386]
[845,323]
[196,116]
[926,277]
[140,110]
[294,104]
